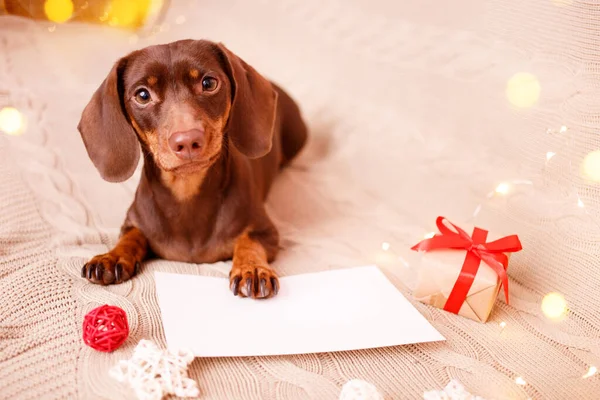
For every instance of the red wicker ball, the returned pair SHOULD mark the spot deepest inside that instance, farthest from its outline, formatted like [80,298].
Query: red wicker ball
[105,328]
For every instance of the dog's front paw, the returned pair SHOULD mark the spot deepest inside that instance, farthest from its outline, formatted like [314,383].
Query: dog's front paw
[109,268]
[258,282]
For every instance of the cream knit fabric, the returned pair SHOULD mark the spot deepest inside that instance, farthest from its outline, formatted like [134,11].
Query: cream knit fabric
[409,120]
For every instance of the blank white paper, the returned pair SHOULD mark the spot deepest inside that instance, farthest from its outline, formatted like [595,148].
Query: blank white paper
[338,310]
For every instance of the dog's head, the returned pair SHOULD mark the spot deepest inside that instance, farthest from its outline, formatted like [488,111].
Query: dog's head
[183,102]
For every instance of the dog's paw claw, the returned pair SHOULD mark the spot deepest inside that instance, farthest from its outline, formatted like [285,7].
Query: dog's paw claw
[108,268]
[258,282]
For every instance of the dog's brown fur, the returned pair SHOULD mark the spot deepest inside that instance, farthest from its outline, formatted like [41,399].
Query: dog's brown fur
[208,209]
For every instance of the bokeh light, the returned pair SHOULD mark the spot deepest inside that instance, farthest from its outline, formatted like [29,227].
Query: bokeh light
[385,246]
[58,11]
[429,235]
[591,372]
[554,306]
[549,155]
[591,166]
[520,381]
[523,90]
[12,121]
[127,13]
[502,188]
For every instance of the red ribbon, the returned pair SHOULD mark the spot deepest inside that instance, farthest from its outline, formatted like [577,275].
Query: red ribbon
[478,250]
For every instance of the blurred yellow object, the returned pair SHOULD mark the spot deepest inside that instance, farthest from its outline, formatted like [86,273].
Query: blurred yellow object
[127,13]
[591,166]
[58,11]
[11,121]
[554,306]
[523,90]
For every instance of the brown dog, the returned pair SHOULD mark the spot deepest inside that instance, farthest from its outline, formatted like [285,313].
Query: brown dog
[213,133]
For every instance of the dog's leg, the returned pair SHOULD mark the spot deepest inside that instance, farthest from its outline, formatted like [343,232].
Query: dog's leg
[121,263]
[250,274]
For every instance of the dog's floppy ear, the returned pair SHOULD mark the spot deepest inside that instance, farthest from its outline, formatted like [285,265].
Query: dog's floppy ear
[108,136]
[253,107]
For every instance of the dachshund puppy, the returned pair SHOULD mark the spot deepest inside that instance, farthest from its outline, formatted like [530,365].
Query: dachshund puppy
[213,134]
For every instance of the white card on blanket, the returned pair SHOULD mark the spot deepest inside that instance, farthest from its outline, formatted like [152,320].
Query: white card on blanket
[337,310]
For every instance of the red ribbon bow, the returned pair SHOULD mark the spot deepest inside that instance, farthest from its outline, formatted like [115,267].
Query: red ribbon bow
[478,250]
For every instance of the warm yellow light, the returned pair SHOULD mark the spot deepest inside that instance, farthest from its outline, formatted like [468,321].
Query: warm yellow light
[520,381]
[502,188]
[502,325]
[591,372]
[11,121]
[385,246]
[58,10]
[554,305]
[127,13]
[523,90]
[563,129]
[591,165]
[549,155]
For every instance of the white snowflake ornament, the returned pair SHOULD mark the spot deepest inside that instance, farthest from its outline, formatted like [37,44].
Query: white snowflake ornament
[453,391]
[357,389]
[154,373]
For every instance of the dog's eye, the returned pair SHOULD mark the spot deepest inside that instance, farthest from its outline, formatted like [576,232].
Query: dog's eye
[142,96]
[209,84]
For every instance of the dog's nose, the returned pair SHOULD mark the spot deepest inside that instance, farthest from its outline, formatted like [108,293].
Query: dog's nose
[187,145]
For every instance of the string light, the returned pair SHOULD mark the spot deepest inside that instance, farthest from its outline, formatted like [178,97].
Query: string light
[523,90]
[520,381]
[502,325]
[580,203]
[554,306]
[591,372]
[549,155]
[562,130]
[591,166]
[58,11]
[11,121]
[385,246]
[502,188]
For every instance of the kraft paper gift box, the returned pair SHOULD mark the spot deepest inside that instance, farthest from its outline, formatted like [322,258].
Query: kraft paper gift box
[442,274]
